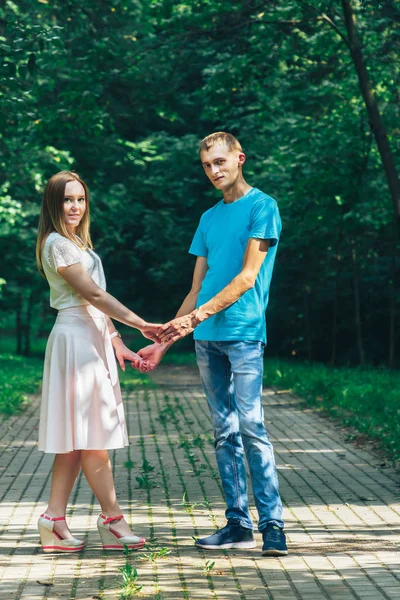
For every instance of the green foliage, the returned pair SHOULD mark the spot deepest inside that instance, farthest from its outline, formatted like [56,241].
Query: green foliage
[19,377]
[179,358]
[208,567]
[145,482]
[365,398]
[155,552]
[130,577]
[188,507]
[124,93]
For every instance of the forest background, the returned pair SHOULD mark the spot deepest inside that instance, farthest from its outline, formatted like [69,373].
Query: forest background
[122,91]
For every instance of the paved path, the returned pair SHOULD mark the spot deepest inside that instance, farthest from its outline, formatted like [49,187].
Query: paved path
[342,510]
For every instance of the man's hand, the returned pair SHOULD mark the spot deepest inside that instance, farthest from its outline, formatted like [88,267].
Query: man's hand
[178,328]
[152,355]
[123,353]
[149,330]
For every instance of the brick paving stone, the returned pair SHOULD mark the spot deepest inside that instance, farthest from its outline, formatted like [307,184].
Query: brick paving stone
[341,508]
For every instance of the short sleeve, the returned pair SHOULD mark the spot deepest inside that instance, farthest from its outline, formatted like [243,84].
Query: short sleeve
[265,222]
[63,253]
[198,246]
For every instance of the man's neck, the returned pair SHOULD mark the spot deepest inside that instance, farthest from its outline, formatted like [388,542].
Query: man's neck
[239,189]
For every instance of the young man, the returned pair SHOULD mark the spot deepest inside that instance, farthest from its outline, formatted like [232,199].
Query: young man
[235,244]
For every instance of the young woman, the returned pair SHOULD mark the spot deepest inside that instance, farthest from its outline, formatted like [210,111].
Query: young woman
[82,415]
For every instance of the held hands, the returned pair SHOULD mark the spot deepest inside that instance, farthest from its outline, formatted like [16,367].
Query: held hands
[164,336]
[152,355]
[123,353]
[178,328]
[150,331]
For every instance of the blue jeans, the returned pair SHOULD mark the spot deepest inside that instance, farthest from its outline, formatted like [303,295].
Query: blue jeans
[231,374]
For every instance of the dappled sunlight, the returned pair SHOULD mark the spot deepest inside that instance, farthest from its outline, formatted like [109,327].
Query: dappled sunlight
[342,514]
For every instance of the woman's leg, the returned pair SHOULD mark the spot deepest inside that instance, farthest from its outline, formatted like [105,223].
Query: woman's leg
[97,468]
[65,471]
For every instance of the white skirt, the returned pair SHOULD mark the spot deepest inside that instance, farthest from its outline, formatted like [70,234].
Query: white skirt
[81,405]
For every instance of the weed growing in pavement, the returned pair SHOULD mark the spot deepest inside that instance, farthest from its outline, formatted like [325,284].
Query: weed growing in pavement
[189,506]
[199,470]
[208,567]
[145,483]
[147,467]
[167,415]
[158,594]
[155,552]
[129,464]
[130,576]
[152,541]
[184,443]
[178,405]
[198,441]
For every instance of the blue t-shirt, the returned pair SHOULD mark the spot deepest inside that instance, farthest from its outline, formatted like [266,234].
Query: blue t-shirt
[222,237]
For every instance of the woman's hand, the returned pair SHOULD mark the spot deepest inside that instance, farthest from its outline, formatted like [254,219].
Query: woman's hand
[123,353]
[153,354]
[149,330]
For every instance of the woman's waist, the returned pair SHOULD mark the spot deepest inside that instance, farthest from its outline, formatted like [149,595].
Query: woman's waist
[82,311]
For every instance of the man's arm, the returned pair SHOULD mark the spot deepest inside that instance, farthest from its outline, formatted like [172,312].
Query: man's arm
[154,353]
[254,257]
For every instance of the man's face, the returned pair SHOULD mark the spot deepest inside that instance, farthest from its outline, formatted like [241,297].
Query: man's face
[222,165]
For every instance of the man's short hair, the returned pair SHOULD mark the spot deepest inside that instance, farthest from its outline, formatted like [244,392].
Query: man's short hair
[220,136]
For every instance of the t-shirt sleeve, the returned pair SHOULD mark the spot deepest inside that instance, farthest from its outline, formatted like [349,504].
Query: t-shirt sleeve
[63,253]
[265,223]
[198,246]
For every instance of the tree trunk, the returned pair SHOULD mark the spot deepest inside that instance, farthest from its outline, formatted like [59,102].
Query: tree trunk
[334,318]
[307,324]
[18,323]
[372,108]
[27,327]
[392,302]
[357,311]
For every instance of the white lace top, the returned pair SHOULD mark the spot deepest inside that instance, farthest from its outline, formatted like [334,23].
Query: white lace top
[59,251]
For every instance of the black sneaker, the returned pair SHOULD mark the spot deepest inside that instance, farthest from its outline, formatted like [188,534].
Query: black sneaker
[233,535]
[274,541]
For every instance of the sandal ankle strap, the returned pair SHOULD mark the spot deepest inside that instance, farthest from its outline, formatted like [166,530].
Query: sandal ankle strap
[110,519]
[45,516]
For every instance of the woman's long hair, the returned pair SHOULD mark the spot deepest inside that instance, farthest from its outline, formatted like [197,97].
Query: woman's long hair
[52,215]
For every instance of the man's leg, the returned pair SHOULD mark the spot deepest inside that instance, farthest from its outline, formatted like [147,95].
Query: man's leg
[246,360]
[216,378]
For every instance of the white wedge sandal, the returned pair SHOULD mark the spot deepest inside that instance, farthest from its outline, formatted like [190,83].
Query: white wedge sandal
[112,540]
[51,541]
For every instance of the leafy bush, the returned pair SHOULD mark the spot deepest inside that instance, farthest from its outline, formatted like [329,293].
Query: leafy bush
[19,377]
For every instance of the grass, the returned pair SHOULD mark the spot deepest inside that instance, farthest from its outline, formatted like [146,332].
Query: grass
[367,399]
[180,358]
[130,379]
[19,377]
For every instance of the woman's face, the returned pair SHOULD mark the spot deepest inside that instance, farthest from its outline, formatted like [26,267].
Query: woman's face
[74,205]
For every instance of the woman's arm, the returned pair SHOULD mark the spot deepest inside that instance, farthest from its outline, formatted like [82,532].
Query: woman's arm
[79,279]
[123,353]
